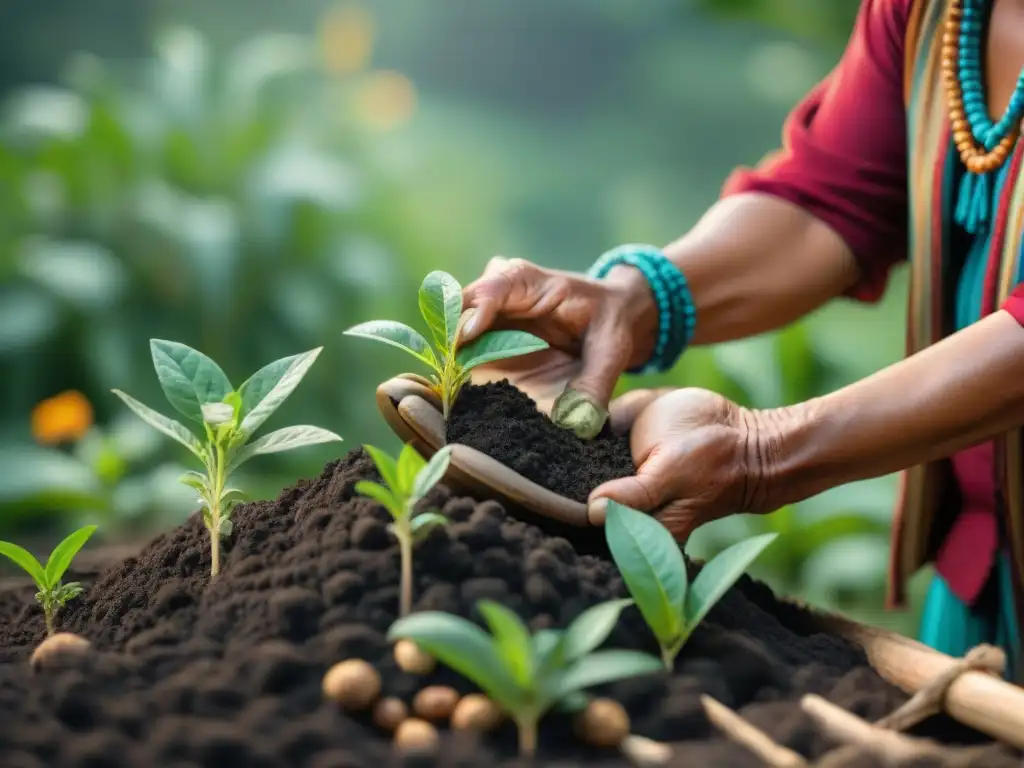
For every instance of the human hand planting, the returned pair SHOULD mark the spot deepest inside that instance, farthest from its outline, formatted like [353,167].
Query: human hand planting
[699,457]
[597,329]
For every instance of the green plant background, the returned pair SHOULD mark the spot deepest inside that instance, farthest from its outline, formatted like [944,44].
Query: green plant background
[197,171]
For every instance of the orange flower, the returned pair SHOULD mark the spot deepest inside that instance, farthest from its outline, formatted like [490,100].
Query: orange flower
[346,39]
[63,418]
[386,99]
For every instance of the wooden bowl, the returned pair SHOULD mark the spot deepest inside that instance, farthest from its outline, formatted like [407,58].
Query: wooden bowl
[413,412]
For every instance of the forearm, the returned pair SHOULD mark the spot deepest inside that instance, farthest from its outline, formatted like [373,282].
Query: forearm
[955,394]
[755,263]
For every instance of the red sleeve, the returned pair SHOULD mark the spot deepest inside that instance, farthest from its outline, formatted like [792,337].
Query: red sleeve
[844,156]
[1014,304]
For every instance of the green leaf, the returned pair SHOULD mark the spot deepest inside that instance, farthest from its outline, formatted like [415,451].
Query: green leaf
[652,567]
[463,646]
[441,306]
[67,592]
[386,466]
[382,496]
[397,335]
[285,439]
[423,523]
[169,427]
[591,628]
[265,390]
[498,345]
[432,473]
[188,377]
[547,649]
[514,644]
[65,552]
[599,668]
[718,575]
[26,560]
[194,480]
[226,527]
[409,465]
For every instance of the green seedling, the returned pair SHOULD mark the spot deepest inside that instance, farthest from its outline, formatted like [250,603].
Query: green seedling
[450,364]
[527,675]
[200,391]
[407,481]
[52,593]
[651,564]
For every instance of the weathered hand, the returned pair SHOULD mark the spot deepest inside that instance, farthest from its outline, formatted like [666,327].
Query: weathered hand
[596,328]
[699,457]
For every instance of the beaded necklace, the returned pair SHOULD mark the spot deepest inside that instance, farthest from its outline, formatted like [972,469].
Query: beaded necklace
[982,144]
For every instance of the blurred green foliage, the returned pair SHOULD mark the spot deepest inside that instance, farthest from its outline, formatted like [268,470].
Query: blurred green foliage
[242,192]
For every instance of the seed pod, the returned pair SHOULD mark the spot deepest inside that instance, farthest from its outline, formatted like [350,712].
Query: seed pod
[354,684]
[390,713]
[410,658]
[417,737]
[476,712]
[435,702]
[580,413]
[603,723]
[57,645]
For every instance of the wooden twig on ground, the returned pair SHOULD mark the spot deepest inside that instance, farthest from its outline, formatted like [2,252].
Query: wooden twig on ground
[929,699]
[893,748]
[746,735]
[645,753]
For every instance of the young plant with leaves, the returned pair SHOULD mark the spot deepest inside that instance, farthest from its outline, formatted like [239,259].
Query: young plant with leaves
[52,593]
[527,675]
[406,482]
[200,391]
[652,565]
[440,299]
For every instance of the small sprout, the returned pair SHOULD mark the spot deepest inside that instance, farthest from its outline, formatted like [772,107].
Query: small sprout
[412,659]
[417,737]
[440,299]
[199,390]
[390,713]
[476,712]
[354,684]
[52,593]
[602,723]
[527,675]
[60,644]
[435,702]
[653,568]
[406,482]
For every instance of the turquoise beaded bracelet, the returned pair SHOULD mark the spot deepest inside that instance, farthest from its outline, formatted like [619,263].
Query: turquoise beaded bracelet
[677,314]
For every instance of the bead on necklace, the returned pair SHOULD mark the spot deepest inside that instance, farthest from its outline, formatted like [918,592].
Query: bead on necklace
[983,145]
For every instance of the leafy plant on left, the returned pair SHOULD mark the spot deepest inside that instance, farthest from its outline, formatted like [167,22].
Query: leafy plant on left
[406,482]
[52,592]
[199,390]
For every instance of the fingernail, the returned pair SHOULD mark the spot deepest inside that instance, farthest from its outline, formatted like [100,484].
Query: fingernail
[597,511]
[469,322]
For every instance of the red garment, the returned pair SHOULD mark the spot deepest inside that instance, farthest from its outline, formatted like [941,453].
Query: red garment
[844,160]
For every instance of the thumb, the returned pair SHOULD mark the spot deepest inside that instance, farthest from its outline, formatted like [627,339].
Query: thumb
[605,355]
[646,491]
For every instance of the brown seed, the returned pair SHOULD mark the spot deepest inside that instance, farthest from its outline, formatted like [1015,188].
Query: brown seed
[417,737]
[603,723]
[476,712]
[390,713]
[56,645]
[435,702]
[354,684]
[411,659]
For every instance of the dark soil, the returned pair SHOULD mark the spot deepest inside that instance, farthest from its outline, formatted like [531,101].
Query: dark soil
[501,421]
[189,673]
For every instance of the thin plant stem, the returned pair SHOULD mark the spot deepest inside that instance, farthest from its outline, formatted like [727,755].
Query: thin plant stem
[668,657]
[48,614]
[527,726]
[405,549]
[215,502]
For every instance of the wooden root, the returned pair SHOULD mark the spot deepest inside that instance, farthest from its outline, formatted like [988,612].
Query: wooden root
[746,735]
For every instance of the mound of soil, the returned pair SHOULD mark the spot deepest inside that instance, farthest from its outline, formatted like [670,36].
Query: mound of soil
[185,672]
[503,422]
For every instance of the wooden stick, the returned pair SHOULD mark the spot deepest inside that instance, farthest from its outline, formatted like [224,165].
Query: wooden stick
[929,700]
[645,753]
[977,699]
[746,735]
